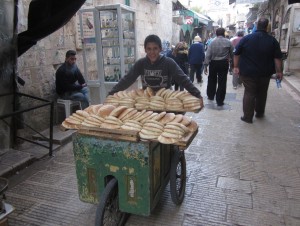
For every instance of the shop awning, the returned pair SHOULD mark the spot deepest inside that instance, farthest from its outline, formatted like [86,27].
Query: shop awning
[44,18]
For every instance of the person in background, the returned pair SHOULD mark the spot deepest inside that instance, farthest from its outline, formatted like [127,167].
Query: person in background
[209,40]
[196,57]
[156,70]
[218,56]
[256,58]
[70,84]
[234,41]
[180,56]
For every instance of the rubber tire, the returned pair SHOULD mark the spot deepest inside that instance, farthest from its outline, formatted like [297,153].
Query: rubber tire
[110,195]
[178,177]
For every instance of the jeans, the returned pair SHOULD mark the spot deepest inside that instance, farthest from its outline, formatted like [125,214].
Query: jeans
[80,95]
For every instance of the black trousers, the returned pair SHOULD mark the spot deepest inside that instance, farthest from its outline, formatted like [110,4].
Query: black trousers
[255,95]
[218,70]
[198,69]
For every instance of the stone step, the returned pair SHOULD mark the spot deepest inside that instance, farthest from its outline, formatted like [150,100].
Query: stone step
[59,136]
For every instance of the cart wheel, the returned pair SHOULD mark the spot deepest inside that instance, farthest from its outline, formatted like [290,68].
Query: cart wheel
[108,212]
[178,176]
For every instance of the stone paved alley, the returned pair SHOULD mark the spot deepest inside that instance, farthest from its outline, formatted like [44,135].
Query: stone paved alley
[238,173]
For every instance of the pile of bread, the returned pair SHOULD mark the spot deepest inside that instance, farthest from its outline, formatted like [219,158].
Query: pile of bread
[162,100]
[167,128]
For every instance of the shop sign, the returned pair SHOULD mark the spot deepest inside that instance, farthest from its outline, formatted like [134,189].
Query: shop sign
[189,20]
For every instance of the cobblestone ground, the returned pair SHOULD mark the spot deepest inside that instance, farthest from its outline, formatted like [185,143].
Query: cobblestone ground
[238,173]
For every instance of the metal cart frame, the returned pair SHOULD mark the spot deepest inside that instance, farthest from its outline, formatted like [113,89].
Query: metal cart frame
[125,177]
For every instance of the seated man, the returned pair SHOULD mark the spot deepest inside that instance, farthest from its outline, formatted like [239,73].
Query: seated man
[70,84]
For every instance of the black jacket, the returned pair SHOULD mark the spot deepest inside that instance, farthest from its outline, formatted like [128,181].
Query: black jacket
[68,79]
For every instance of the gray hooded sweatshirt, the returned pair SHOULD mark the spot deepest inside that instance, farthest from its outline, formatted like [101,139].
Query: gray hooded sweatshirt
[161,74]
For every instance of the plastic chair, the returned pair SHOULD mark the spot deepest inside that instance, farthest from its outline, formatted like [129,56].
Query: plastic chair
[68,104]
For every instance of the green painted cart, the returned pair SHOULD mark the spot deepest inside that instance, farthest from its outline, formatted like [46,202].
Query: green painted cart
[126,177]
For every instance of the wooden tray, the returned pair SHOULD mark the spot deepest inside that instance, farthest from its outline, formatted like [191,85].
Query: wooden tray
[128,135]
[115,134]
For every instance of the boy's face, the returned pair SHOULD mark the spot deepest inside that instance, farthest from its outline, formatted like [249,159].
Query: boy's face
[152,50]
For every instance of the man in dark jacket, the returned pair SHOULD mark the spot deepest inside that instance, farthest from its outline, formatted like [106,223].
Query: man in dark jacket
[256,58]
[157,71]
[70,84]
[196,57]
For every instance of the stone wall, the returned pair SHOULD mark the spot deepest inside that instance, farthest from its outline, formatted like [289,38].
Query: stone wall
[38,65]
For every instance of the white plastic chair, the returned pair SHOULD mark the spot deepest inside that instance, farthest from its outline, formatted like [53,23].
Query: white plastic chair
[68,104]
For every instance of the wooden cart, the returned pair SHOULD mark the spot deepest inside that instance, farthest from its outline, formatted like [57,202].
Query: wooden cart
[125,175]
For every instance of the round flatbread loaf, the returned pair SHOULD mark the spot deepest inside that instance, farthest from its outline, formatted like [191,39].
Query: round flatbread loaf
[160,116]
[166,140]
[178,118]
[95,108]
[93,121]
[110,126]
[174,131]
[136,126]
[183,127]
[150,91]
[140,92]
[126,127]
[72,121]
[143,116]
[117,111]
[89,109]
[158,93]
[105,110]
[150,132]
[186,120]
[192,126]
[83,113]
[125,112]
[171,135]
[129,115]
[67,125]
[152,129]
[113,119]
[100,119]
[167,118]
[78,117]
[147,136]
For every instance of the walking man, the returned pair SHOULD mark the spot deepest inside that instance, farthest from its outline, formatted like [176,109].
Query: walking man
[218,56]
[256,58]
[196,57]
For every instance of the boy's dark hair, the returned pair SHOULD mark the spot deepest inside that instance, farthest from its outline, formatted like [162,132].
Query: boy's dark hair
[70,53]
[153,38]
[220,32]
[262,24]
